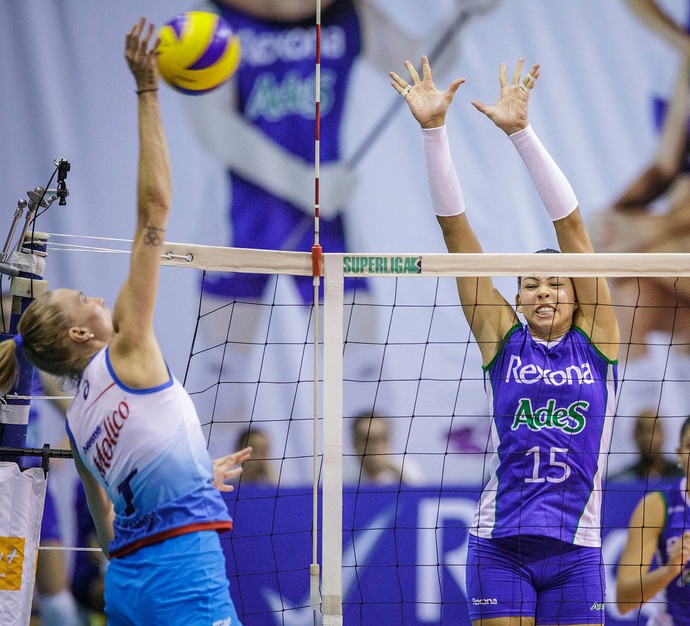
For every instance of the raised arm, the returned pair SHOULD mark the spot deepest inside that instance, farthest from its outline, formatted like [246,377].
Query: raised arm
[650,12]
[595,314]
[635,583]
[669,159]
[134,350]
[489,314]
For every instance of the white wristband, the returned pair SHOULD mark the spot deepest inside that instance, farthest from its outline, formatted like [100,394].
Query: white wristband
[551,184]
[446,194]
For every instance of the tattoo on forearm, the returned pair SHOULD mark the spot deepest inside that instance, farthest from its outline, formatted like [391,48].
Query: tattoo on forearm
[153,236]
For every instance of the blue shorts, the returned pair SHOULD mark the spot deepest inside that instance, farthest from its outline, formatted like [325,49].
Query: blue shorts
[553,581]
[178,582]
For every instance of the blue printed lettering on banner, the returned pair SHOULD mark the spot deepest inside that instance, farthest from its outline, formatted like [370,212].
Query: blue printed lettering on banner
[273,101]
[265,48]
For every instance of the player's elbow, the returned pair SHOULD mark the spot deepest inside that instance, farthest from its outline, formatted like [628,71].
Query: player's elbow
[665,171]
[625,600]
[155,202]
[626,607]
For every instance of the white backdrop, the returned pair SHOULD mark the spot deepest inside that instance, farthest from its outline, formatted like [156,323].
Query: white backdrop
[66,91]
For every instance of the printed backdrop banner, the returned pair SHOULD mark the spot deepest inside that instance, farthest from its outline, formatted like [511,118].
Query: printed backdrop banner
[67,92]
[403,554]
[22,495]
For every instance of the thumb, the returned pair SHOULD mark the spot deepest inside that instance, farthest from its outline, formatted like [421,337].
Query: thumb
[480,106]
[454,86]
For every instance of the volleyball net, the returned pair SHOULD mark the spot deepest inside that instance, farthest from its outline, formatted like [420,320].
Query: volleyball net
[397,493]
[401,431]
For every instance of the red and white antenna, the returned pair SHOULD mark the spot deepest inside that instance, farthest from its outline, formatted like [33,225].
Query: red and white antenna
[317,266]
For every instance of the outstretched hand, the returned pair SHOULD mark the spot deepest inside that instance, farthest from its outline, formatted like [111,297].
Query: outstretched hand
[510,111]
[228,467]
[428,104]
[140,58]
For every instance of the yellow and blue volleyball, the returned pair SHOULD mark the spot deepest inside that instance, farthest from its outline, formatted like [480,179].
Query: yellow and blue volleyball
[198,52]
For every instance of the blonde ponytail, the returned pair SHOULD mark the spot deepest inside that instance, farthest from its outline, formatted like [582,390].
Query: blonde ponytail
[9,365]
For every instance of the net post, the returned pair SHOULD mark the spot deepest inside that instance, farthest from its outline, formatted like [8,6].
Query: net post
[314,569]
[28,284]
[332,499]
[25,488]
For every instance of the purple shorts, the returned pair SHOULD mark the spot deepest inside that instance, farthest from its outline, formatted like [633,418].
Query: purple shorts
[529,576]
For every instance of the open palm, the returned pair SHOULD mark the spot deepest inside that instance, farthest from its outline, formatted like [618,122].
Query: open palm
[510,111]
[428,104]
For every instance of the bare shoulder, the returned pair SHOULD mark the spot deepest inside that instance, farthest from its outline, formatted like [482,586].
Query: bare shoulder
[138,362]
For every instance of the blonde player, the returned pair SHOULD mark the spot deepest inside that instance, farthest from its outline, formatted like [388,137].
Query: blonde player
[134,431]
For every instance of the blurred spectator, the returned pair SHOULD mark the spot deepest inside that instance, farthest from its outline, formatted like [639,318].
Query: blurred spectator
[653,567]
[259,468]
[374,463]
[649,440]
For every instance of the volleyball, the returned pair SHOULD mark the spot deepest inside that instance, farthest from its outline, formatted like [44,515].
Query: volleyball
[198,51]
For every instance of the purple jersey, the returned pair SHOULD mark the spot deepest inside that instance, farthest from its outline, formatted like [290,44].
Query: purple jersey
[276,94]
[552,408]
[677,522]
